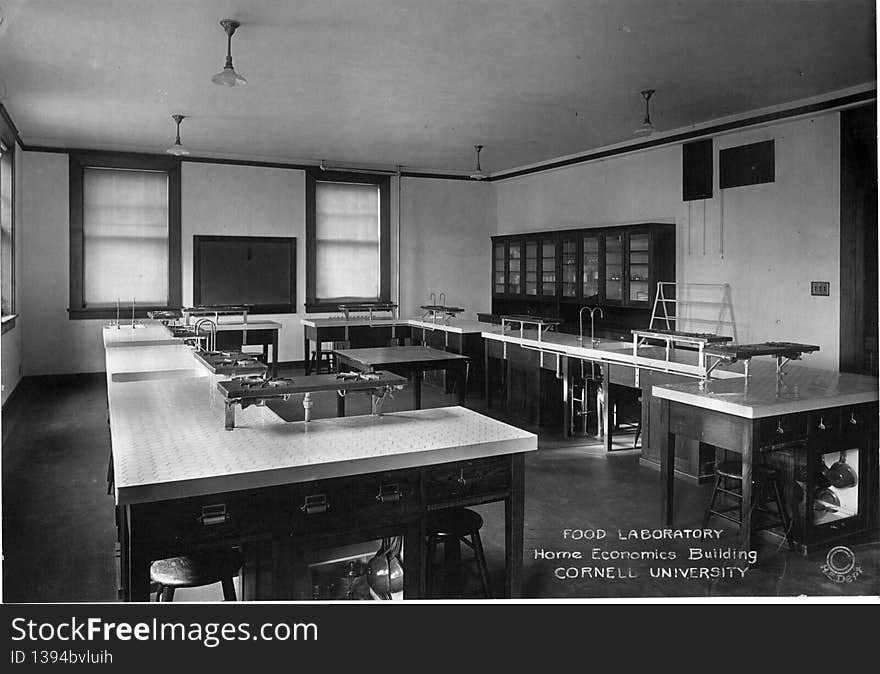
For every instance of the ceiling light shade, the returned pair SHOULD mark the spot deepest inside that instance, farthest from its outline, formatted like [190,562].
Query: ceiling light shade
[646,129]
[478,172]
[228,77]
[177,149]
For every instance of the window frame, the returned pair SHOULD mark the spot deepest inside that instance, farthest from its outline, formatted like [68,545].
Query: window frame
[8,320]
[82,160]
[314,304]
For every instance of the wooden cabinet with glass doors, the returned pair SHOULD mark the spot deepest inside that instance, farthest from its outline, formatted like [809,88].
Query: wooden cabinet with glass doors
[540,273]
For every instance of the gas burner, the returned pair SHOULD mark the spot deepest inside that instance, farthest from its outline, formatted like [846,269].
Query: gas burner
[280,381]
[244,362]
[357,376]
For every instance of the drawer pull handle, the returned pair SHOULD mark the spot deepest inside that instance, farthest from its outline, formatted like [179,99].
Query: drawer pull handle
[389,493]
[213,514]
[779,428]
[314,505]
[821,423]
[852,419]
[463,481]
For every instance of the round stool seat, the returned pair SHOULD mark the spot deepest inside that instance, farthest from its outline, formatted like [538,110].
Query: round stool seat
[457,522]
[201,568]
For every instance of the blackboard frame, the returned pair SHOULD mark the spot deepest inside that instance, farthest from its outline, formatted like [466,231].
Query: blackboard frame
[256,308]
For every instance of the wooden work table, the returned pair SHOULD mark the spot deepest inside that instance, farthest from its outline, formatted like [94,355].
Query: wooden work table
[795,420]
[183,483]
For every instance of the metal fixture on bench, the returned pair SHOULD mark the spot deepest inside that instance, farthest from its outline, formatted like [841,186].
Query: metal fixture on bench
[177,149]
[228,77]
[592,311]
[211,341]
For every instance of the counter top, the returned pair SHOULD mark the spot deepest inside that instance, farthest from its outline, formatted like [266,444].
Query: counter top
[613,352]
[761,395]
[460,326]
[146,332]
[152,361]
[170,442]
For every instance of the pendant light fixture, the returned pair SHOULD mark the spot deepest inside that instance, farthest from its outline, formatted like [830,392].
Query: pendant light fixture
[177,149]
[228,77]
[646,129]
[478,172]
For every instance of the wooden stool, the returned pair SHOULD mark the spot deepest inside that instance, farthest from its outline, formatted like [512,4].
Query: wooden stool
[196,570]
[452,527]
[766,489]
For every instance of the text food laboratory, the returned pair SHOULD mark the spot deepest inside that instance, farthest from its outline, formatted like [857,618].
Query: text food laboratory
[412,300]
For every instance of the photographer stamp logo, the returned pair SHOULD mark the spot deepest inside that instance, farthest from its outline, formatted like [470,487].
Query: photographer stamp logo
[840,565]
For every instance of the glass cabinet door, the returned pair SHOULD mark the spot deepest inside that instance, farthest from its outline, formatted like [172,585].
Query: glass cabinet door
[514,268]
[590,268]
[614,267]
[569,268]
[499,281]
[531,268]
[639,291]
[548,268]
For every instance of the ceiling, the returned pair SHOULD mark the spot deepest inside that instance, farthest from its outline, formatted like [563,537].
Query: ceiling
[415,83]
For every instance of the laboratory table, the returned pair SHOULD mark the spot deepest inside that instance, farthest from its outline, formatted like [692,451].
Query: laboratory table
[410,361]
[805,413]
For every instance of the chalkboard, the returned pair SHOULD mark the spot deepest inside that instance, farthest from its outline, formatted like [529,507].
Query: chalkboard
[259,271]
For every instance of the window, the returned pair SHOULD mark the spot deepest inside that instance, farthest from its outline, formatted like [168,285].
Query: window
[347,239]
[124,234]
[7,232]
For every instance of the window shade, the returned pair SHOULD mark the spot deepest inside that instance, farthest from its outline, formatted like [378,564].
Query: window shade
[125,236]
[346,240]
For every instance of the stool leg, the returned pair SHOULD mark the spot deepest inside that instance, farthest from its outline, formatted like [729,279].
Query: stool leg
[430,572]
[167,594]
[708,513]
[783,514]
[228,589]
[481,563]
[452,563]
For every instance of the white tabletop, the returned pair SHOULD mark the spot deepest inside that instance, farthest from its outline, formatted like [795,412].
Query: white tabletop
[762,395]
[613,352]
[456,325]
[144,333]
[169,441]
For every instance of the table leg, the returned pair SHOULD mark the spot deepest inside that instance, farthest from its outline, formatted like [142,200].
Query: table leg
[306,353]
[417,389]
[745,530]
[566,399]
[340,404]
[487,389]
[230,416]
[666,449]
[415,556]
[275,353]
[138,563]
[461,380]
[514,521]
[606,407]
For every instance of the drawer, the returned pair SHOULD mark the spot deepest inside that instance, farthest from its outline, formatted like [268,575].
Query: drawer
[824,425]
[466,481]
[232,515]
[782,430]
[318,506]
[385,498]
[855,422]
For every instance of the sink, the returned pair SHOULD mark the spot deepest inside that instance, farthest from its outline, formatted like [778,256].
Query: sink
[155,375]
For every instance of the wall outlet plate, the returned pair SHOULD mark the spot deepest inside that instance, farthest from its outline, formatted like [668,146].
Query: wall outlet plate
[822,288]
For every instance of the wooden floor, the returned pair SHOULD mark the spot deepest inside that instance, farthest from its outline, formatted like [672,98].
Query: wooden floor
[58,528]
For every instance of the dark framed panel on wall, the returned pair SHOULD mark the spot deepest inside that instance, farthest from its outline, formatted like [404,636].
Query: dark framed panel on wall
[257,271]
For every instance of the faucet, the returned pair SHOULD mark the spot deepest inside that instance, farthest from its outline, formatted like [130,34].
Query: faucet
[442,299]
[211,342]
[592,311]
[433,300]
